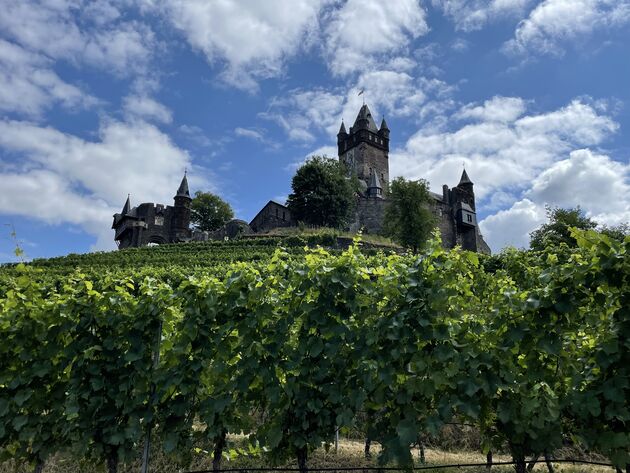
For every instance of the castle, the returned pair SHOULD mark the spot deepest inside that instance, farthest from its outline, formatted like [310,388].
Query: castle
[150,223]
[364,149]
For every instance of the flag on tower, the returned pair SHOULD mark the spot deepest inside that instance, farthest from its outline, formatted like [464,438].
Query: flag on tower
[361,92]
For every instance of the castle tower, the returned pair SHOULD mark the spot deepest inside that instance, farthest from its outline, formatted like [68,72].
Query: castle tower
[465,214]
[464,191]
[374,187]
[364,149]
[181,215]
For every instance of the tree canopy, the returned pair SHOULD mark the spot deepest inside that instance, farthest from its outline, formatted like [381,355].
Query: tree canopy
[408,219]
[557,229]
[322,194]
[209,211]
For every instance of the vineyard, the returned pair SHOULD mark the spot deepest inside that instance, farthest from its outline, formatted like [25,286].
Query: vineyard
[287,344]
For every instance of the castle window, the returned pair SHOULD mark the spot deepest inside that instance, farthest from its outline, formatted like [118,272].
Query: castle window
[159,221]
[276,212]
[370,137]
[283,215]
[469,217]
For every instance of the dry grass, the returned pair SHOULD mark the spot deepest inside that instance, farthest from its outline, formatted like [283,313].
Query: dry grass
[350,454]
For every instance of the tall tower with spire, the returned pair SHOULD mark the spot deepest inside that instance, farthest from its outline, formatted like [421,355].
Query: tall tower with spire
[181,214]
[364,148]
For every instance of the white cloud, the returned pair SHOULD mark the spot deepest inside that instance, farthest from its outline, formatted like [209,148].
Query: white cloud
[470,15]
[499,109]
[30,86]
[249,133]
[197,137]
[72,175]
[502,149]
[553,23]
[304,113]
[144,107]
[327,151]
[512,227]
[595,182]
[361,31]
[81,32]
[251,37]
[301,113]
[48,197]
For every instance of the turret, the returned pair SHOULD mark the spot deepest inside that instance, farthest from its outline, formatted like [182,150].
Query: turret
[125,210]
[364,121]
[181,216]
[465,183]
[374,187]
[384,129]
[342,136]
[126,207]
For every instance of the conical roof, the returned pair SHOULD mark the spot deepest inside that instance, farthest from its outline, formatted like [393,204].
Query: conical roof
[183,188]
[342,129]
[126,207]
[384,125]
[374,182]
[365,114]
[465,179]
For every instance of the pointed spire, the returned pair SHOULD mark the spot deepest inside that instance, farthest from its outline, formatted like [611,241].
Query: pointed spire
[127,206]
[342,129]
[183,188]
[465,179]
[383,125]
[374,182]
[374,188]
[365,120]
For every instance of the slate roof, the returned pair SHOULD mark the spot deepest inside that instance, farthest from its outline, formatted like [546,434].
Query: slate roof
[183,188]
[374,182]
[465,179]
[365,114]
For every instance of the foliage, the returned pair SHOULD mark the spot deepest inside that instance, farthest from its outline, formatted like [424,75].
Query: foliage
[209,212]
[322,194]
[408,218]
[616,232]
[557,229]
[532,347]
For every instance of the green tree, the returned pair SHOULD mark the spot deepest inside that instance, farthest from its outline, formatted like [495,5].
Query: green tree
[209,211]
[408,219]
[616,232]
[556,231]
[322,194]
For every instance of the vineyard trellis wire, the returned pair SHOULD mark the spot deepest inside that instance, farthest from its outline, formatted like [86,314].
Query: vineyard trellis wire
[400,469]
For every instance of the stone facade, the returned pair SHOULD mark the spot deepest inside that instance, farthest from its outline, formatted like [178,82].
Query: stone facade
[369,214]
[364,149]
[150,223]
[272,215]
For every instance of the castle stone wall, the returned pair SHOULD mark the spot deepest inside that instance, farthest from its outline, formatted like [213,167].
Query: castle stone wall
[445,222]
[272,215]
[370,214]
[370,160]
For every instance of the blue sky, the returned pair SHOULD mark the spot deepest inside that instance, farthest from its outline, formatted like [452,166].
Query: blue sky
[103,98]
